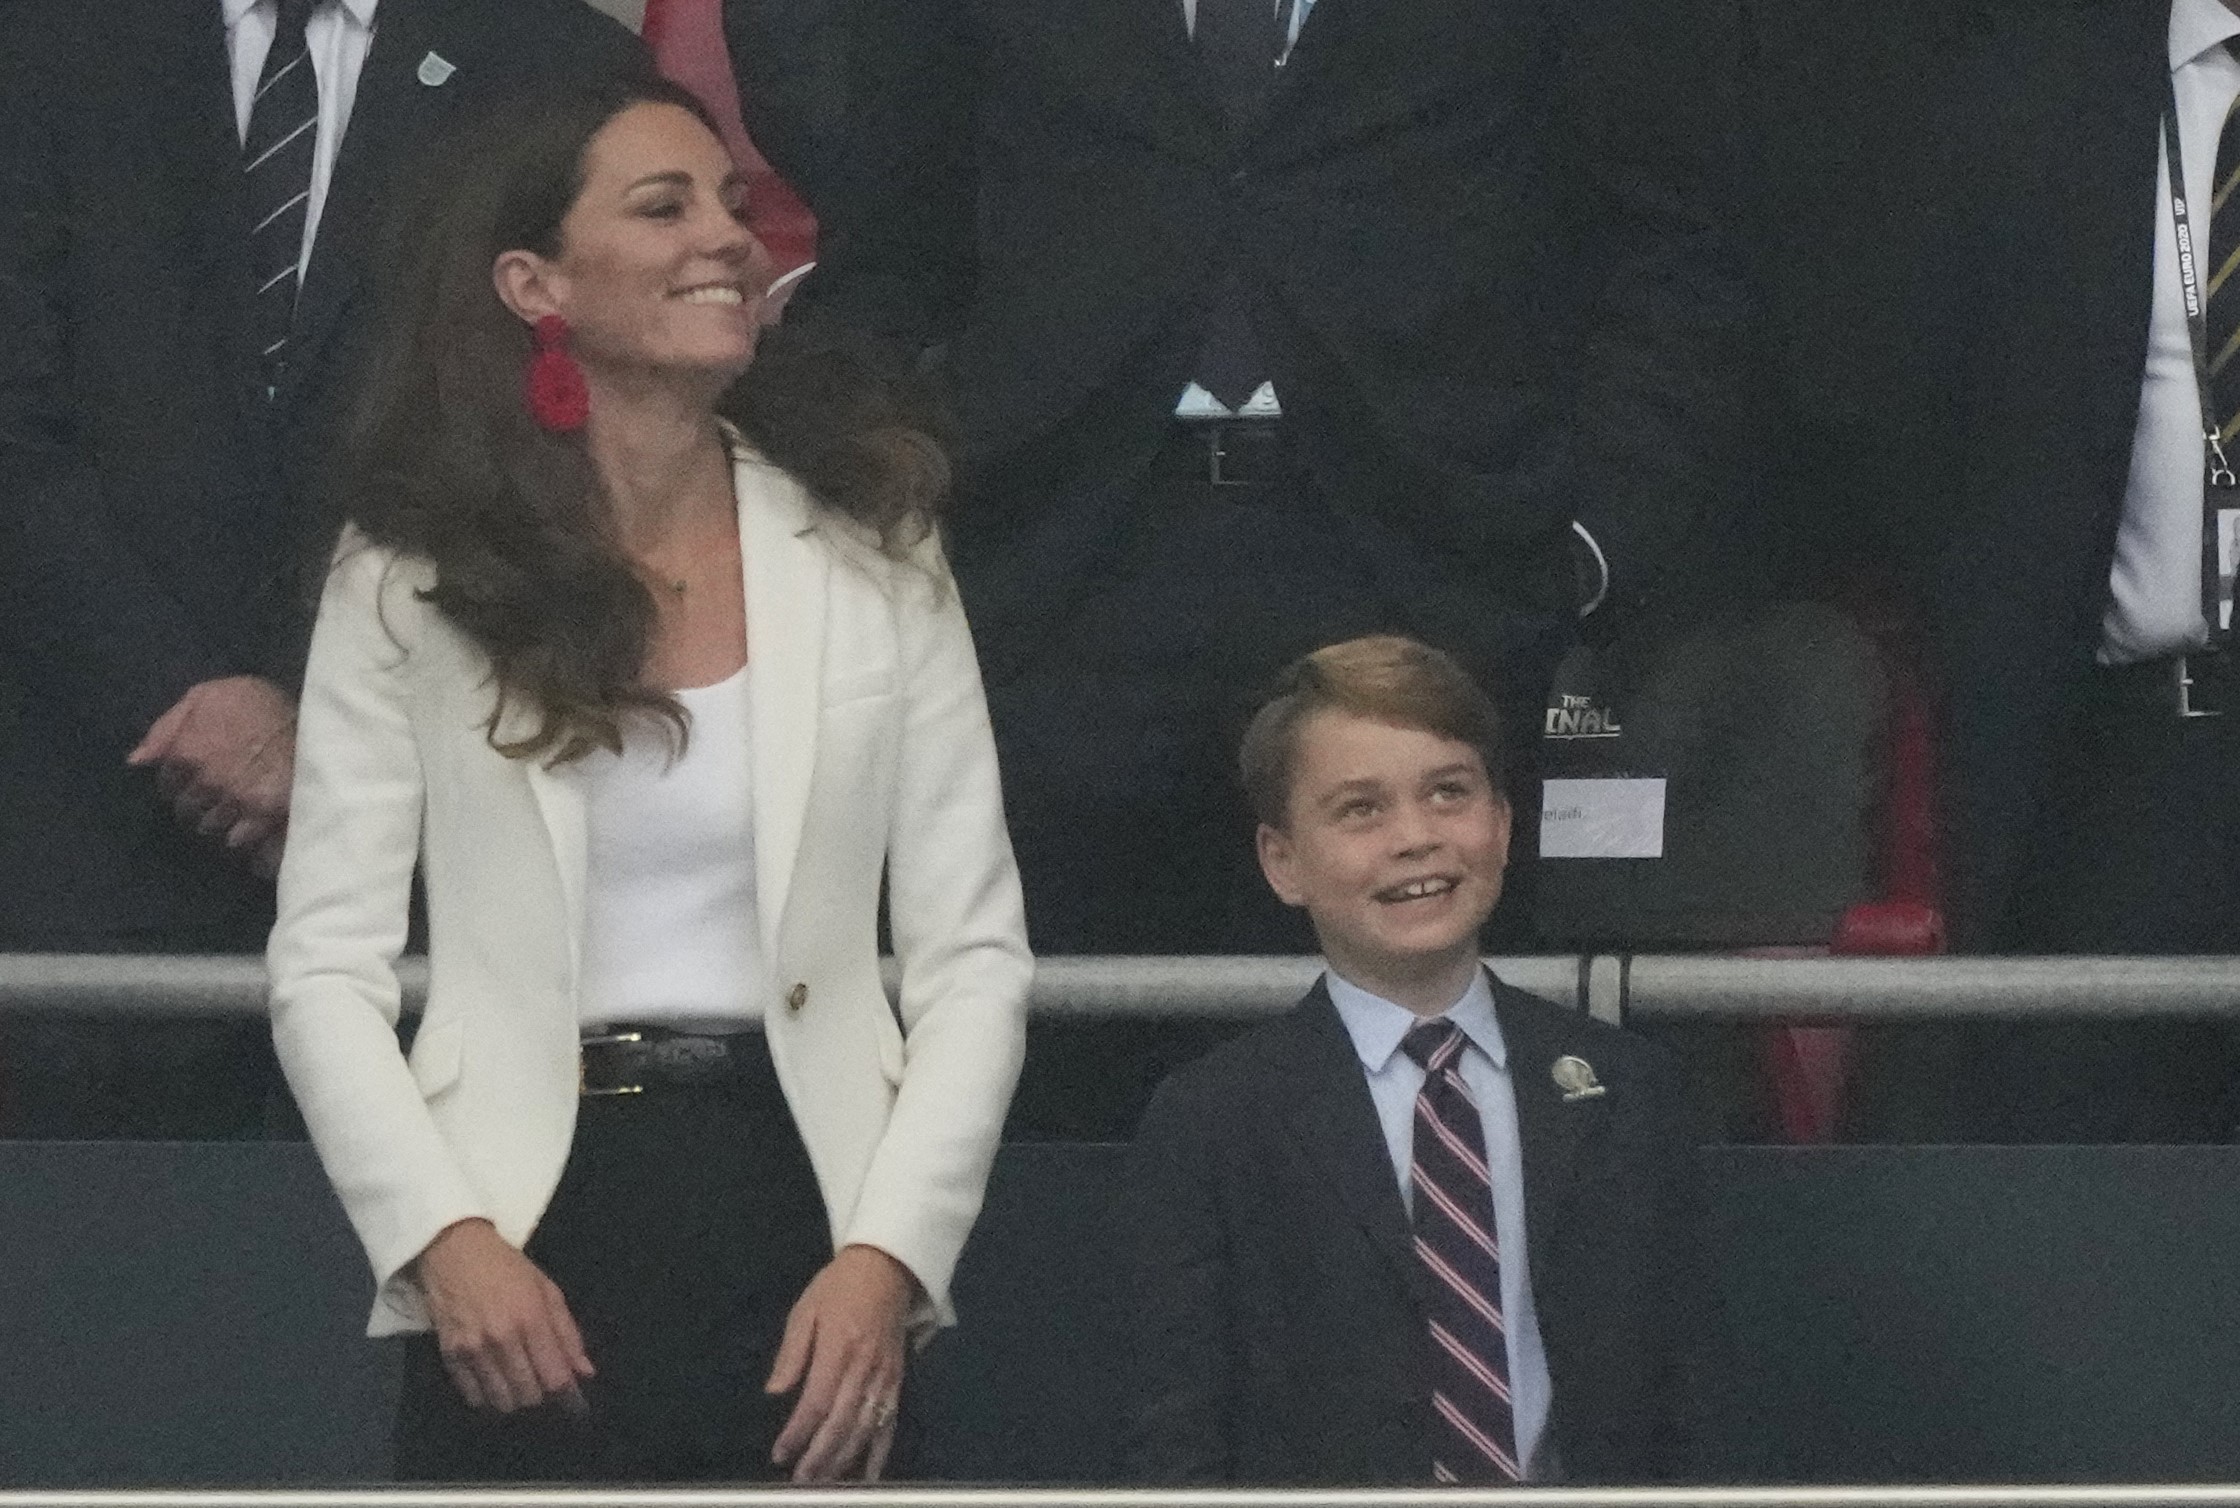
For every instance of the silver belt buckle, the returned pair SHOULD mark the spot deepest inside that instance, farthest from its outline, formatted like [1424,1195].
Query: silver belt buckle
[2188,706]
[583,1075]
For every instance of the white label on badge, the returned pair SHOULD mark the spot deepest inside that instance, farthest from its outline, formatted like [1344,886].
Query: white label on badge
[2228,554]
[1602,819]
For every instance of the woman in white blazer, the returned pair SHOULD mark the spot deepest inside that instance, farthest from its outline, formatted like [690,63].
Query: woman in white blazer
[653,672]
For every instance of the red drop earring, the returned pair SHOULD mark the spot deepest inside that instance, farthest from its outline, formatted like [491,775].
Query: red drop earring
[553,385]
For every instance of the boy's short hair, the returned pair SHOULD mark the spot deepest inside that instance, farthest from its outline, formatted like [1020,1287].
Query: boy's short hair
[1387,677]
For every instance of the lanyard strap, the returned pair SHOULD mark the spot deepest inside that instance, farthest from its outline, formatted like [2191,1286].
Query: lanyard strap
[2219,477]
[2197,308]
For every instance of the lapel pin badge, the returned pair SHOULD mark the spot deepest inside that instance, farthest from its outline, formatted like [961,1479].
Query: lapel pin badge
[1575,1077]
[435,69]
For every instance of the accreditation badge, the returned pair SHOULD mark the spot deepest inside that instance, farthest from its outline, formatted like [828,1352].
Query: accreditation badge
[2228,555]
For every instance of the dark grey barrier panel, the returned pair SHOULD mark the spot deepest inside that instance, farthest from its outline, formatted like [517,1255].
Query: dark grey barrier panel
[182,1312]
[1958,1314]
[1895,1314]
[190,1313]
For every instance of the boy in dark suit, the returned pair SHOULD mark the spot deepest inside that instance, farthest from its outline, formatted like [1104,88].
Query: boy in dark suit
[190,194]
[1427,1227]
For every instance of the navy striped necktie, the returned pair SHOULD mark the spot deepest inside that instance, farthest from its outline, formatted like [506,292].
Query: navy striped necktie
[276,160]
[1240,42]
[1473,1425]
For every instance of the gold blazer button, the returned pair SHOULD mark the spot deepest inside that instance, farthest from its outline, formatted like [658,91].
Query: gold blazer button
[796,998]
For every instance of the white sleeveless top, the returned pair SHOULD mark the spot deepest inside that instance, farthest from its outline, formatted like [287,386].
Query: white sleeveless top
[671,935]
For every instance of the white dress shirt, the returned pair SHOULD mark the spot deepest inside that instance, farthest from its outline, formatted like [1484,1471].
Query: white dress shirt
[339,35]
[671,927]
[1376,1026]
[2155,584]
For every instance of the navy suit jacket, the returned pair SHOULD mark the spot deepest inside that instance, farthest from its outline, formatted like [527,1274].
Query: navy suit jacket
[1956,209]
[1482,242]
[1274,1295]
[157,513]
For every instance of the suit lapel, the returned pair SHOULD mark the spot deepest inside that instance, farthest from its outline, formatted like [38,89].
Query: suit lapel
[1171,98]
[1551,1131]
[786,571]
[2081,239]
[1326,23]
[560,803]
[390,113]
[1331,1116]
[200,122]
[2116,164]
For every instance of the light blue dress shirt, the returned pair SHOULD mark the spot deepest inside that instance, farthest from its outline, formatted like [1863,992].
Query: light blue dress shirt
[1376,1026]
[2155,583]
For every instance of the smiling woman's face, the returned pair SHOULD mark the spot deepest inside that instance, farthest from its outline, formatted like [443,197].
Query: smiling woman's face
[656,273]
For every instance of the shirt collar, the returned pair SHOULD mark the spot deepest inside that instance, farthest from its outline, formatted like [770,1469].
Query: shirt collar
[360,11]
[2198,26]
[1376,1025]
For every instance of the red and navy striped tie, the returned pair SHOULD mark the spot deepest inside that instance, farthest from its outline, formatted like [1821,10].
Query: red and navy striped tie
[1473,1429]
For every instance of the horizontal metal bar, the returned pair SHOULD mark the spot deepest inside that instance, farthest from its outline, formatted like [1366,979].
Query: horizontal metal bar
[138,984]
[1678,987]
[942,1497]
[1646,987]
[1078,988]
[1228,988]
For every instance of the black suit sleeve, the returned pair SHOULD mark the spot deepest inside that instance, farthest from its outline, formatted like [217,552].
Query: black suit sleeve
[791,60]
[1662,417]
[1174,1265]
[898,247]
[575,40]
[81,615]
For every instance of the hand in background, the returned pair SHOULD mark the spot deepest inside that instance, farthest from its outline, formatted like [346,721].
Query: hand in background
[502,1326]
[225,756]
[845,1337]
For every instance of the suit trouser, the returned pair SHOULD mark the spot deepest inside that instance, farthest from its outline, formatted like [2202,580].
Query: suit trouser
[687,1223]
[1119,702]
[2136,851]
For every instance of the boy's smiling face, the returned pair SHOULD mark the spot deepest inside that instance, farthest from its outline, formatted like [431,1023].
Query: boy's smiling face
[1394,842]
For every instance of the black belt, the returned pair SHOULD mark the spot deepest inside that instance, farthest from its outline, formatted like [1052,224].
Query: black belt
[1228,452]
[631,1060]
[2196,685]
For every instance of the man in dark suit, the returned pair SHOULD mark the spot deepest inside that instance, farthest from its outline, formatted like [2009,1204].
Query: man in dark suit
[187,198]
[1972,260]
[1427,1227]
[1271,322]
[791,61]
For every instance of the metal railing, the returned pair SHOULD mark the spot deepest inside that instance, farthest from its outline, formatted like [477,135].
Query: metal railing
[1614,987]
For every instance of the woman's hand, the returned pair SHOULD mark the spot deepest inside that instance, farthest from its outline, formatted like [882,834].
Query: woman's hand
[503,1328]
[845,1336]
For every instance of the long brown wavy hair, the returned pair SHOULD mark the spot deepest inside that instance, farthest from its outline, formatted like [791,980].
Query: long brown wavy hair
[441,460]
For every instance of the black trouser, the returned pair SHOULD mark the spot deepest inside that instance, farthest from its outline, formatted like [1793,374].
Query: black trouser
[685,1227]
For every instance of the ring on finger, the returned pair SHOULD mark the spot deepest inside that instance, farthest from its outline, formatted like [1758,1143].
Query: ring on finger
[881,1411]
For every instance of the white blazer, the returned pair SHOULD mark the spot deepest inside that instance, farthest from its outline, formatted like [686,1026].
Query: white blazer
[872,753]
